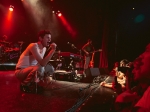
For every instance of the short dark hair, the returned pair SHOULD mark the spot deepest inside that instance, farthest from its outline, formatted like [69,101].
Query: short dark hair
[43,32]
[89,40]
[125,61]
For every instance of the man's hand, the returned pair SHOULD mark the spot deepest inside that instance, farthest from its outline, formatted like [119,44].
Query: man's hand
[87,54]
[53,46]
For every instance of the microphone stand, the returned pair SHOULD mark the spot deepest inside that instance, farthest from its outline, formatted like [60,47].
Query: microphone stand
[80,52]
[20,50]
[80,58]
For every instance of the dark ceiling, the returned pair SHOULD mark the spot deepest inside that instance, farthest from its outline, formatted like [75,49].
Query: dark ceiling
[128,32]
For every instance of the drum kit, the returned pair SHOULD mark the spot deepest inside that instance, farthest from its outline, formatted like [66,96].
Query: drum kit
[9,52]
[66,61]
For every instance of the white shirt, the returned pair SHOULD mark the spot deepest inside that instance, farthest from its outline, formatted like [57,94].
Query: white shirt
[26,61]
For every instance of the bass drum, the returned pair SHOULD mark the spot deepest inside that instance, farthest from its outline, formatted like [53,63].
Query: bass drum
[49,70]
[12,56]
[1,50]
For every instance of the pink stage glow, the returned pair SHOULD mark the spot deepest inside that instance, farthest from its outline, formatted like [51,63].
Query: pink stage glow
[67,25]
[7,22]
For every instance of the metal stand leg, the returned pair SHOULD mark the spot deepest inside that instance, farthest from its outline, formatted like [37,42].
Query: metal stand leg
[36,81]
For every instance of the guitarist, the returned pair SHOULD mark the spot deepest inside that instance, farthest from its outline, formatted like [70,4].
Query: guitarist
[87,48]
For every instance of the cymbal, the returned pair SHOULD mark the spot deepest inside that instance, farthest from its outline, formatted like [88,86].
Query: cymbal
[4,42]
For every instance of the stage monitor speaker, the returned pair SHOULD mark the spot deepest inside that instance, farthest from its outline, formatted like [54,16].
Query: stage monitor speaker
[95,71]
[92,72]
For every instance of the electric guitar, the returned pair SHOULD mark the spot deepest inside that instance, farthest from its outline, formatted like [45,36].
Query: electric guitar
[99,50]
[91,64]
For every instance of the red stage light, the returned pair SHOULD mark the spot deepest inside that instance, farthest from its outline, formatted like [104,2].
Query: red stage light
[59,14]
[11,8]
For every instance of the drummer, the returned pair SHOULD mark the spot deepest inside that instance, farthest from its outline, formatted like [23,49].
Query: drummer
[4,41]
[14,46]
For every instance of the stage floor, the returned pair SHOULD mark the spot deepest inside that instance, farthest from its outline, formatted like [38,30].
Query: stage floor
[59,96]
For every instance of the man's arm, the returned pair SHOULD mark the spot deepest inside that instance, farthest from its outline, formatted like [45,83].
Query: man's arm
[42,61]
[84,50]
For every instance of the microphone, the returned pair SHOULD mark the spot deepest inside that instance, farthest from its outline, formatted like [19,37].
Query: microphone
[49,43]
[68,43]
[72,45]
[49,46]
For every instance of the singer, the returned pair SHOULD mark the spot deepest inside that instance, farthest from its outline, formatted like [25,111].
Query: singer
[32,61]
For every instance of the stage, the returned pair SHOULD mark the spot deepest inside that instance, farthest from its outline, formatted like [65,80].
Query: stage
[59,96]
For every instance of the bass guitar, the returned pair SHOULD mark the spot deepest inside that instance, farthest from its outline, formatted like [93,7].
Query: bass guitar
[99,50]
[91,64]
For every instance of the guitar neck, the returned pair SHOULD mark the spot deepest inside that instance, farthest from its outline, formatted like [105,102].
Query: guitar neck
[96,51]
[93,52]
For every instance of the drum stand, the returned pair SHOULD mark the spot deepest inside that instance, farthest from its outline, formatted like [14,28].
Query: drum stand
[3,58]
[80,59]
[21,43]
[78,75]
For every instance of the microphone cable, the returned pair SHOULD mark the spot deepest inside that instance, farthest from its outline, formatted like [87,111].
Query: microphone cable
[81,100]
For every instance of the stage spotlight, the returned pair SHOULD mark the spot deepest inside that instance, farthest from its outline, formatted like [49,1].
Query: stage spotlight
[11,8]
[53,12]
[59,14]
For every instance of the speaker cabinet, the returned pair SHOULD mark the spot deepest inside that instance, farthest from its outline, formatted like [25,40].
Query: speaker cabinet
[95,71]
[92,72]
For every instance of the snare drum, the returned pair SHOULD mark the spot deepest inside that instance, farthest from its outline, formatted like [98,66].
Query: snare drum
[12,56]
[78,65]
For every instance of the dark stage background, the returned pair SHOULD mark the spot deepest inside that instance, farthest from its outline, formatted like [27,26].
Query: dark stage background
[127,28]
